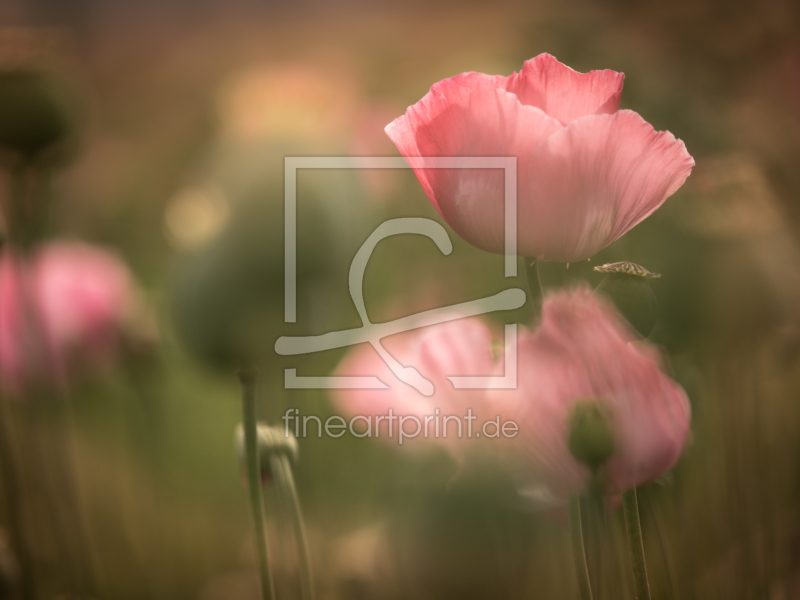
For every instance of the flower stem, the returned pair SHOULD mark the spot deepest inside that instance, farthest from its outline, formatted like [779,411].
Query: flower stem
[10,479]
[534,281]
[595,535]
[282,470]
[57,469]
[630,506]
[578,550]
[249,379]
[661,534]
[28,200]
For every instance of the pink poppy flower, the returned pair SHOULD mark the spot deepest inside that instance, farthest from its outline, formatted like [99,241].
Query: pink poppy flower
[583,350]
[460,347]
[64,305]
[586,172]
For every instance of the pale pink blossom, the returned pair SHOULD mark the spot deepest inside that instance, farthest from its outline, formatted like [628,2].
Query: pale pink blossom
[60,308]
[461,347]
[583,350]
[586,172]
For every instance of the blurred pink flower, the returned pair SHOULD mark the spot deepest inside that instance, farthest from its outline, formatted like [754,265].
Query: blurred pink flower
[62,307]
[583,350]
[369,140]
[460,347]
[586,172]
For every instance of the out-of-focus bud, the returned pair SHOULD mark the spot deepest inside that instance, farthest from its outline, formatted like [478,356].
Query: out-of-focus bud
[272,441]
[35,113]
[37,108]
[591,439]
[627,285]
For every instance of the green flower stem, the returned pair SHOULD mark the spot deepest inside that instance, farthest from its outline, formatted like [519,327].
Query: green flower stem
[29,195]
[11,484]
[282,470]
[578,550]
[663,542]
[595,534]
[633,527]
[534,280]
[49,451]
[249,379]
[56,466]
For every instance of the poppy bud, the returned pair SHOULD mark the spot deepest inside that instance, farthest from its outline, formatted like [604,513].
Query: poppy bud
[626,284]
[591,440]
[34,112]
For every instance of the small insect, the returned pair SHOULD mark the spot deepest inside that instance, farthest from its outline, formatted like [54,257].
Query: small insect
[627,268]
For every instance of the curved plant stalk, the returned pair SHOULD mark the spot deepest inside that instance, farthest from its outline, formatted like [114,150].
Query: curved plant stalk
[578,549]
[249,379]
[633,527]
[282,471]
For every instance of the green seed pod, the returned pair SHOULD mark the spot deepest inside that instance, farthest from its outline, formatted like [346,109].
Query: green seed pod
[591,439]
[627,285]
[34,112]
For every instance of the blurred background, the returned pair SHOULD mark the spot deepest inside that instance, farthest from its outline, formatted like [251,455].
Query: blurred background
[178,116]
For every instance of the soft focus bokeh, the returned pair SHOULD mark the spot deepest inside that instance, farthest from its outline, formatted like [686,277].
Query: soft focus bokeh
[183,114]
